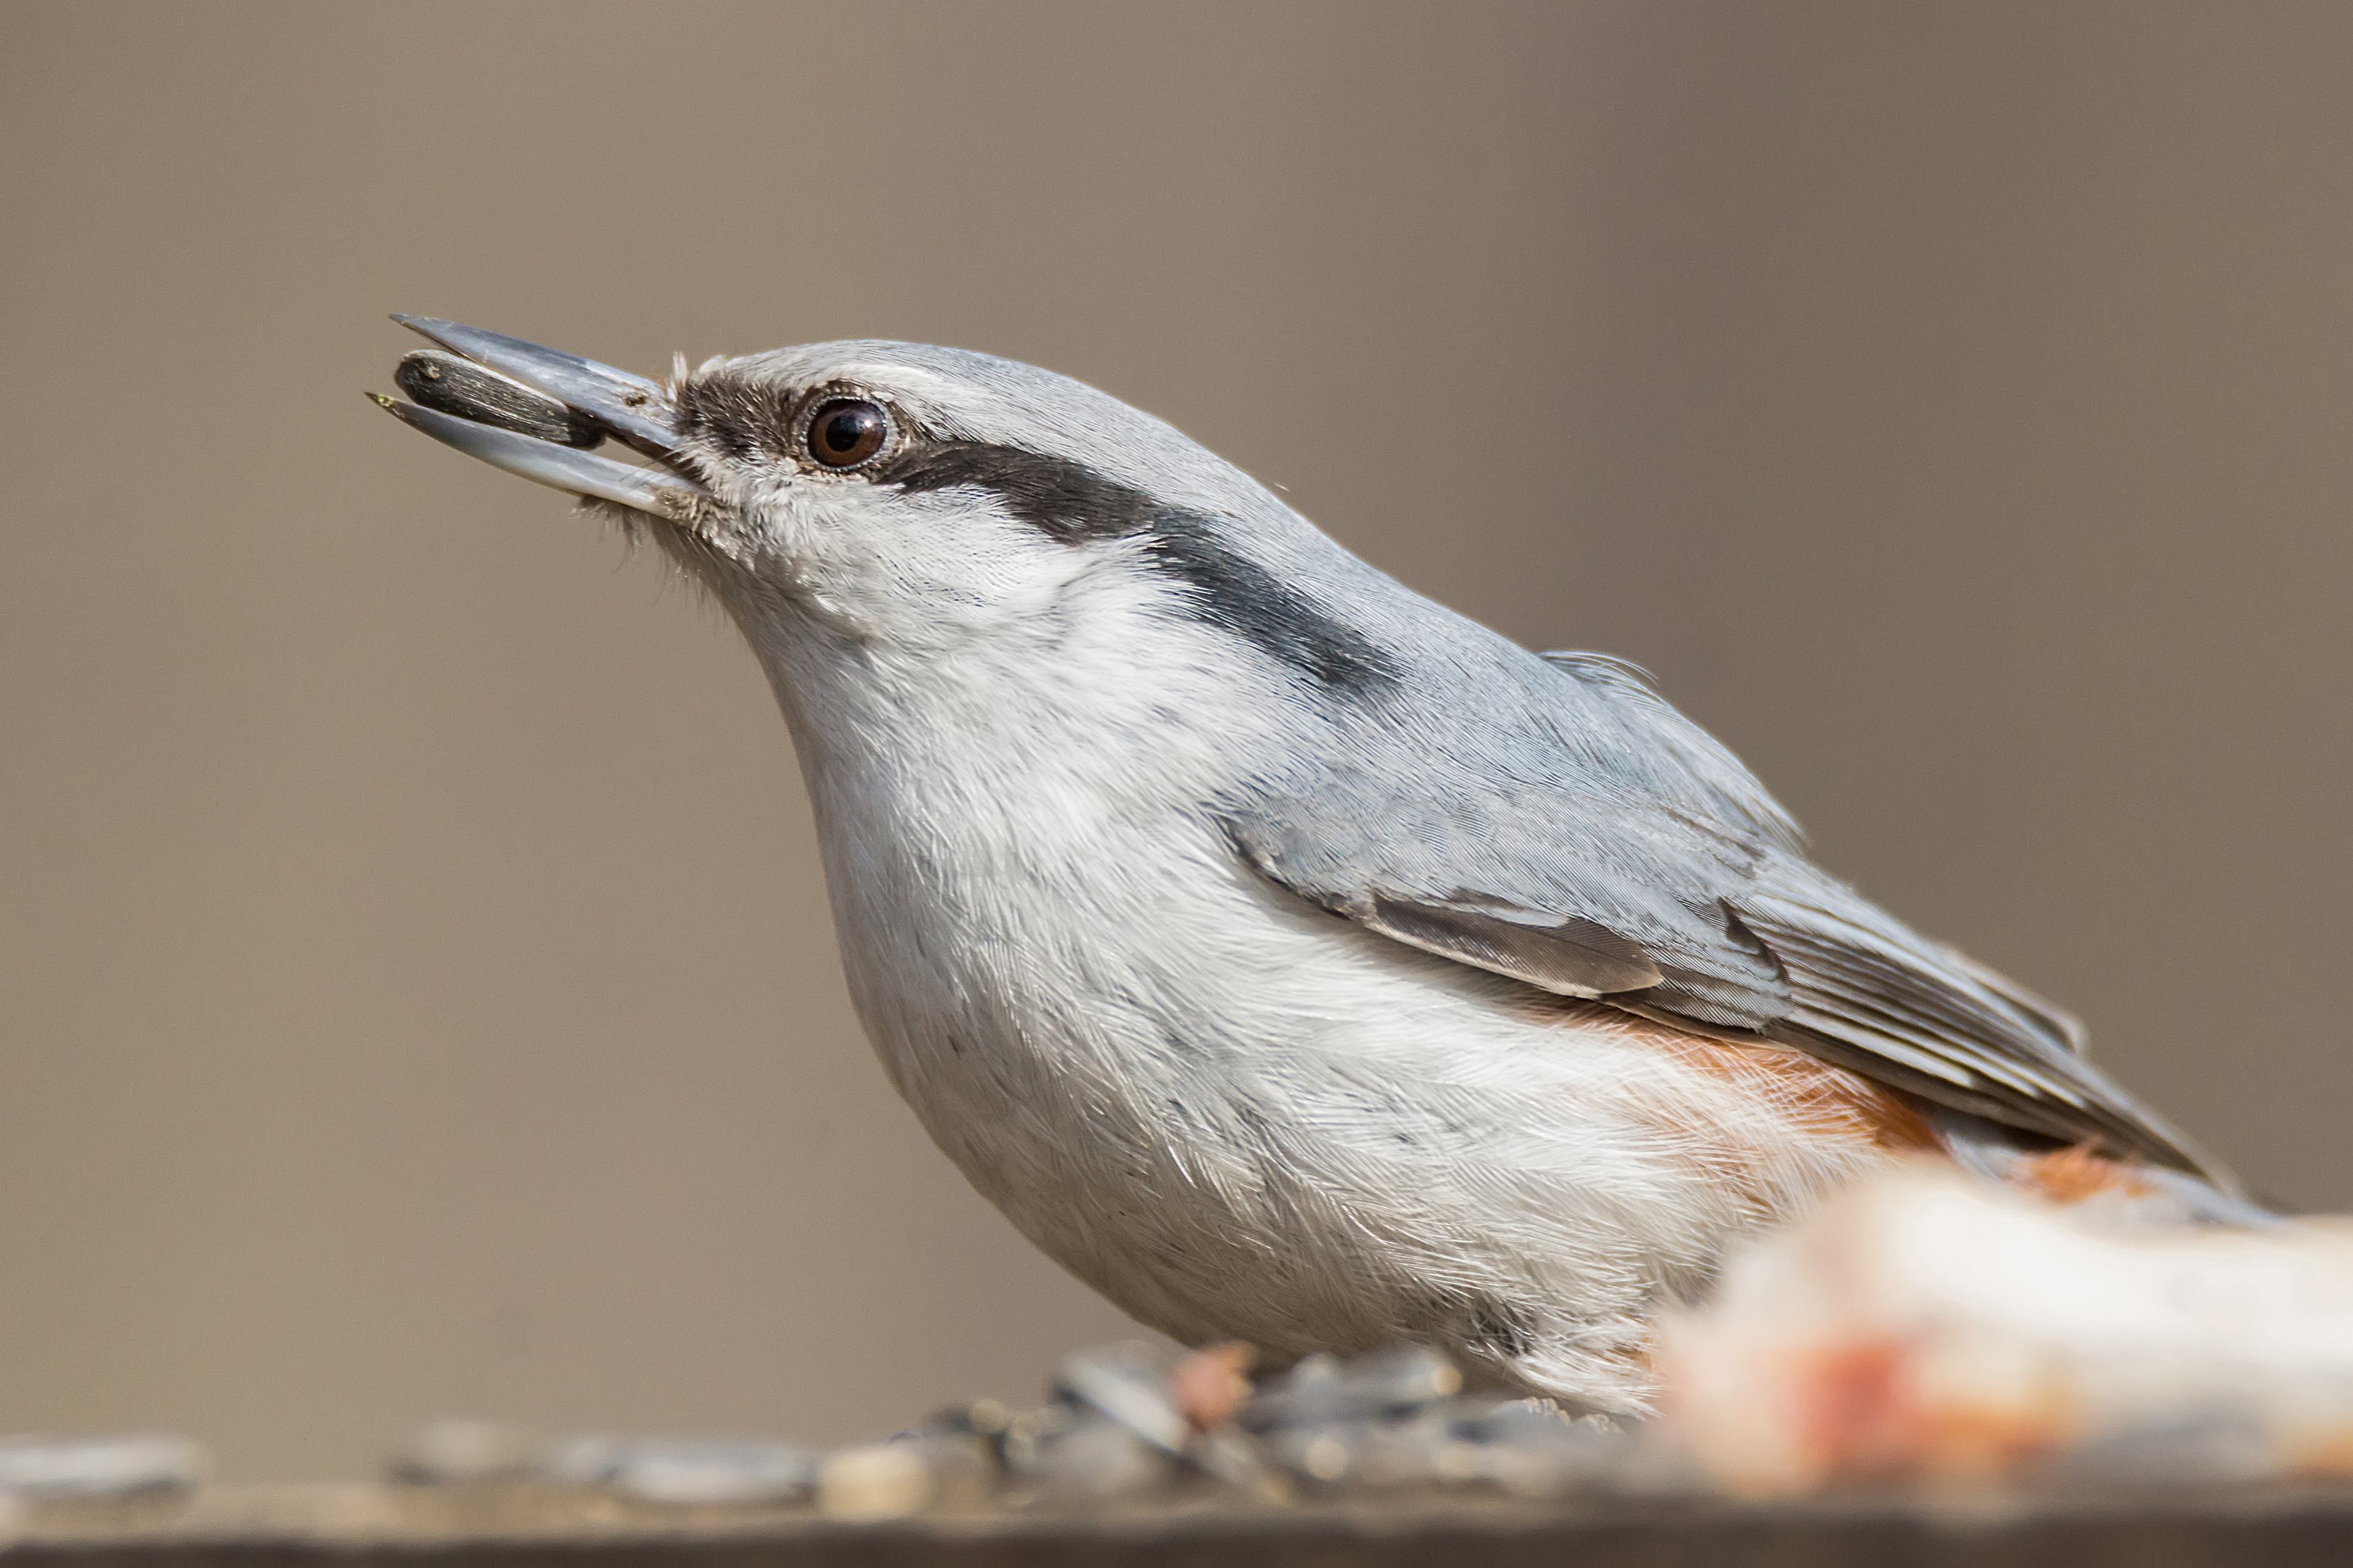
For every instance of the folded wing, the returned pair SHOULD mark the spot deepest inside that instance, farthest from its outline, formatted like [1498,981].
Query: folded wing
[1640,865]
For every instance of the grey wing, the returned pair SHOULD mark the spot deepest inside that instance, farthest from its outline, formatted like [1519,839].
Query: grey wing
[1647,869]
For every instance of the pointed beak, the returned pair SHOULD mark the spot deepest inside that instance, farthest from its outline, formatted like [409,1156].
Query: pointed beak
[534,411]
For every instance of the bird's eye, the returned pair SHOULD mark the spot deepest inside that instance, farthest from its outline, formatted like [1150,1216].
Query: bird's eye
[846,432]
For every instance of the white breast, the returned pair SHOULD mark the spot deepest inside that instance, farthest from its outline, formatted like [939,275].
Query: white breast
[1236,1115]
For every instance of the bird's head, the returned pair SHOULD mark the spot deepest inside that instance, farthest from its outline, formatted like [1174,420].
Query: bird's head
[918,503]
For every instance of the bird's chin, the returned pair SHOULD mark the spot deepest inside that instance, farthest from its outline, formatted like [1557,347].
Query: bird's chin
[605,402]
[703,539]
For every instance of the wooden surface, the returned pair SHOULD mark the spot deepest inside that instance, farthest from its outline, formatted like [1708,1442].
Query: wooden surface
[349,1527]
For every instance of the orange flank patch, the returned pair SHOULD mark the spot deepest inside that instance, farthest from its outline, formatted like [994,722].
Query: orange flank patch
[1803,1099]
[1804,1092]
[2070,1175]
[1809,1092]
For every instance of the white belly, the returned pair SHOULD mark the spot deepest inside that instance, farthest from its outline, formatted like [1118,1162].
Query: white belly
[1238,1116]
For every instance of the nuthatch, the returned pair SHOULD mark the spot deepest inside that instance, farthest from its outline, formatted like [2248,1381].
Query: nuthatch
[1292,959]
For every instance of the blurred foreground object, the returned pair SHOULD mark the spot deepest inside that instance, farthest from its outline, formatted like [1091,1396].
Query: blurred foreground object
[1928,1328]
[1141,1456]
[36,1467]
[1122,1424]
[650,1470]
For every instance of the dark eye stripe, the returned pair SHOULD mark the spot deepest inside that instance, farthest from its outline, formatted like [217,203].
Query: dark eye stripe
[1073,505]
[1067,502]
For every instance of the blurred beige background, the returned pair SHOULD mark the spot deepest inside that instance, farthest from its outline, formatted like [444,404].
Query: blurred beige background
[415,993]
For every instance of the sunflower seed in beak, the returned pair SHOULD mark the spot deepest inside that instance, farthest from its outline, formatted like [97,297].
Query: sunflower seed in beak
[459,386]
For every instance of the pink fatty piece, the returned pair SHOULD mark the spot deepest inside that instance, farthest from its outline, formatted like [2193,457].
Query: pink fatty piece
[1211,1385]
[1929,1328]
